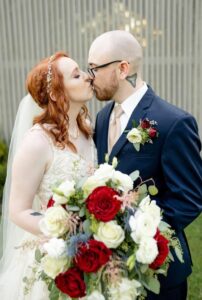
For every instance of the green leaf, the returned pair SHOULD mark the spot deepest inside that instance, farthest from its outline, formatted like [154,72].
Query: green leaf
[178,253]
[137,146]
[54,293]
[38,255]
[82,212]
[134,175]
[153,190]
[81,183]
[134,123]
[170,256]
[143,268]
[154,285]
[72,208]
[142,189]
[86,226]
[163,226]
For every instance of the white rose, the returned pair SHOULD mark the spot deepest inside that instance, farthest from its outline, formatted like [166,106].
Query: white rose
[134,136]
[95,295]
[110,233]
[147,251]
[104,172]
[54,222]
[53,266]
[59,199]
[67,188]
[91,183]
[125,290]
[149,206]
[123,181]
[55,247]
[142,225]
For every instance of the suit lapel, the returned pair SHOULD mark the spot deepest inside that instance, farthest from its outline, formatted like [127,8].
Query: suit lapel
[105,127]
[139,113]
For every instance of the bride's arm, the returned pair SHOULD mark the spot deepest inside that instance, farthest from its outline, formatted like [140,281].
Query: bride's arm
[28,169]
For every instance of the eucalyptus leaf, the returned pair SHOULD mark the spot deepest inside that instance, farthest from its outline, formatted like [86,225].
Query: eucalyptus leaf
[134,175]
[73,208]
[81,183]
[38,255]
[153,190]
[163,226]
[154,285]
[137,146]
[144,268]
[142,189]
[86,226]
[54,293]
[82,212]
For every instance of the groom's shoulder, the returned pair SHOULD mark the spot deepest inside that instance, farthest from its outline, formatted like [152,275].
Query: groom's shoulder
[164,108]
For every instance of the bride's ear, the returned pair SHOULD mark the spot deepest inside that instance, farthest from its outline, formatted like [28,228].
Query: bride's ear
[52,96]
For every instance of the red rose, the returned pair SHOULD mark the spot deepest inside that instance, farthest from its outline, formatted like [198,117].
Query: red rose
[51,203]
[145,124]
[103,204]
[91,256]
[163,249]
[71,283]
[152,132]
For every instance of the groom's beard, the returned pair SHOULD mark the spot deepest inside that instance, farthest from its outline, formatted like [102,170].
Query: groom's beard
[107,93]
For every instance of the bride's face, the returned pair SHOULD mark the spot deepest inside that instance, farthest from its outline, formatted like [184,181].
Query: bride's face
[77,83]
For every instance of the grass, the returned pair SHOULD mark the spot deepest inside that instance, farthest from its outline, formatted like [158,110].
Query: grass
[194,236]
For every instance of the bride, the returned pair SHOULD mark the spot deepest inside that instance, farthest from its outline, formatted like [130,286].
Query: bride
[57,147]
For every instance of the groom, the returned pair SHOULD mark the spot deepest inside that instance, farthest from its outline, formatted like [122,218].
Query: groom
[172,160]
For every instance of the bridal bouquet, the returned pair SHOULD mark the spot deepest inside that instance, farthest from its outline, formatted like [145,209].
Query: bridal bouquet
[107,239]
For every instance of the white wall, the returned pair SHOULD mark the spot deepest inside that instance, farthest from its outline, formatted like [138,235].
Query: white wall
[169,30]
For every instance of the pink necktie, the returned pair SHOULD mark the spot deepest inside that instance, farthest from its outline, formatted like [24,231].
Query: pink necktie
[115,127]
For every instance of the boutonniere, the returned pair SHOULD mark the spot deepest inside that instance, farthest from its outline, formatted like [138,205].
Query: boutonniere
[142,133]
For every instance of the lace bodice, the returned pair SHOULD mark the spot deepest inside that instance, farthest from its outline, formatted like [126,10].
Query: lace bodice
[65,165]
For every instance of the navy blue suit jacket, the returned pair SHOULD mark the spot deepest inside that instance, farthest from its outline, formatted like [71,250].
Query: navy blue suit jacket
[173,161]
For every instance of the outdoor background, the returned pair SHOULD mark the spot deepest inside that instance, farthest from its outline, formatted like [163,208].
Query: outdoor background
[170,32]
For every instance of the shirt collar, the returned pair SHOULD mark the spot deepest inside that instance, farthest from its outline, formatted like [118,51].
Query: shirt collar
[132,101]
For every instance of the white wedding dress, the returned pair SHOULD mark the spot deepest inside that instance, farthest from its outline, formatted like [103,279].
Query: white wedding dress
[65,165]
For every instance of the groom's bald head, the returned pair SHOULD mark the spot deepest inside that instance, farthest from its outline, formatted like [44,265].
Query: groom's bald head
[116,45]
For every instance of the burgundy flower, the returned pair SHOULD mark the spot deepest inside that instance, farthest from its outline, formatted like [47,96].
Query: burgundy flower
[103,204]
[145,124]
[163,249]
[51,203]
[152,132]
[71,283]
[91,256]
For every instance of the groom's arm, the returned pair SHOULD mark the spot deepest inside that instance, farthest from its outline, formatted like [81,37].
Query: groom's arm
[182,170]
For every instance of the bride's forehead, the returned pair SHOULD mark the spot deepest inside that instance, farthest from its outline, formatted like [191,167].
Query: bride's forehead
[66,64]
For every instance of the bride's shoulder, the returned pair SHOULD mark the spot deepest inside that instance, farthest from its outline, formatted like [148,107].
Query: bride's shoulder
[37,139]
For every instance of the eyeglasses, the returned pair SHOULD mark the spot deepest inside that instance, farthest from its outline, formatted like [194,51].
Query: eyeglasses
[92,70]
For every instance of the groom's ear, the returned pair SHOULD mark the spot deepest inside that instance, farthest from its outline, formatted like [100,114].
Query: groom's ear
[124,69]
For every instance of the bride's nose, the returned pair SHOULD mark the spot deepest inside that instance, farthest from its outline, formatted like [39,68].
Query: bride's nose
[87,77]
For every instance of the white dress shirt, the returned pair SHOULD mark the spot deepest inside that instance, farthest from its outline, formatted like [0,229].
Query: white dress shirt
[129,105]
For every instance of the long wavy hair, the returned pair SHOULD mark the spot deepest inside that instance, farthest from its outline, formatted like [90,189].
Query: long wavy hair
[54,113]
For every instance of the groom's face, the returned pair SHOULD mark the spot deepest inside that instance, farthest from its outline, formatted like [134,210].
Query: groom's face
[104,75]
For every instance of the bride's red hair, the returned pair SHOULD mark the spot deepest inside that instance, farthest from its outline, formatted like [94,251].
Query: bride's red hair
[54,112]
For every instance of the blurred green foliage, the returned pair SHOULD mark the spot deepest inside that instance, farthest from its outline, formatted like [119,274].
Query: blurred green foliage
[3,165]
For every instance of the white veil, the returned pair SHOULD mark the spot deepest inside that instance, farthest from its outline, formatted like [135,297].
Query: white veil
[10,233]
